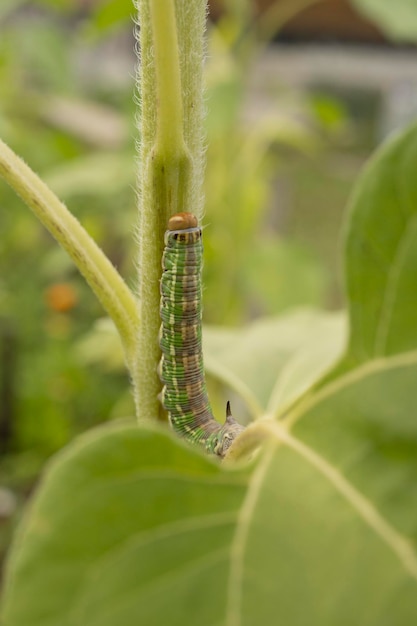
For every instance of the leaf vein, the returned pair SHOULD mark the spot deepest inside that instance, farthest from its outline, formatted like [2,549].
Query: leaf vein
[398,544]
[405,359]
[237,551]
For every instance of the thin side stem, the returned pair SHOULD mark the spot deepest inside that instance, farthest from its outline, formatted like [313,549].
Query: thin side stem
[246,444]
[103,278]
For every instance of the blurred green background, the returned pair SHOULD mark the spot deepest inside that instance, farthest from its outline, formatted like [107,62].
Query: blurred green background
[298,95]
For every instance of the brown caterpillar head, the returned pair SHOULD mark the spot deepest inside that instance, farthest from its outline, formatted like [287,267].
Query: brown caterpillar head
[182,221]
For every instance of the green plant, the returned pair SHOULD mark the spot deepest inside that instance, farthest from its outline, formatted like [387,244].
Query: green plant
[75,136]
[131,526]
[399,22]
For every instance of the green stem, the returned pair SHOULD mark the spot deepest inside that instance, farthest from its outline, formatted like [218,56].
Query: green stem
[171,147]
[252,438]
[169,131]
[100,274]
[169,164]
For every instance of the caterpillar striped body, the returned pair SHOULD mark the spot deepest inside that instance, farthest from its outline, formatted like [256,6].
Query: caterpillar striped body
[181,369]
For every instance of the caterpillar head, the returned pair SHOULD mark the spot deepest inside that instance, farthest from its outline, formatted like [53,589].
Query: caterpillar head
[231,429]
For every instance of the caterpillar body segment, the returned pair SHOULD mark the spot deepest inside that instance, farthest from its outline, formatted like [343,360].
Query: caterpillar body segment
[184,395]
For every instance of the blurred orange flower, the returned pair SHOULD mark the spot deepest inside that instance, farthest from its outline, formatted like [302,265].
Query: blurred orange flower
[61,297]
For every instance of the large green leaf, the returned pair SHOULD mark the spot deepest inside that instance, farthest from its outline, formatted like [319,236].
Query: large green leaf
[131,528]
[127,528]
[397,19]
[381,253]
[273,360]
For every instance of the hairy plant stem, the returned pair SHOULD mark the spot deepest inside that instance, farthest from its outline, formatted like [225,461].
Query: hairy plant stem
[96,268]
[169,83]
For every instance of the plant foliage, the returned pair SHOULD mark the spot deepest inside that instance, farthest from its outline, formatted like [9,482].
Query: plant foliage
[129,526]
[398,20]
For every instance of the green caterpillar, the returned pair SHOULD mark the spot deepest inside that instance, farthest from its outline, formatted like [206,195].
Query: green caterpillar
[184,395]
